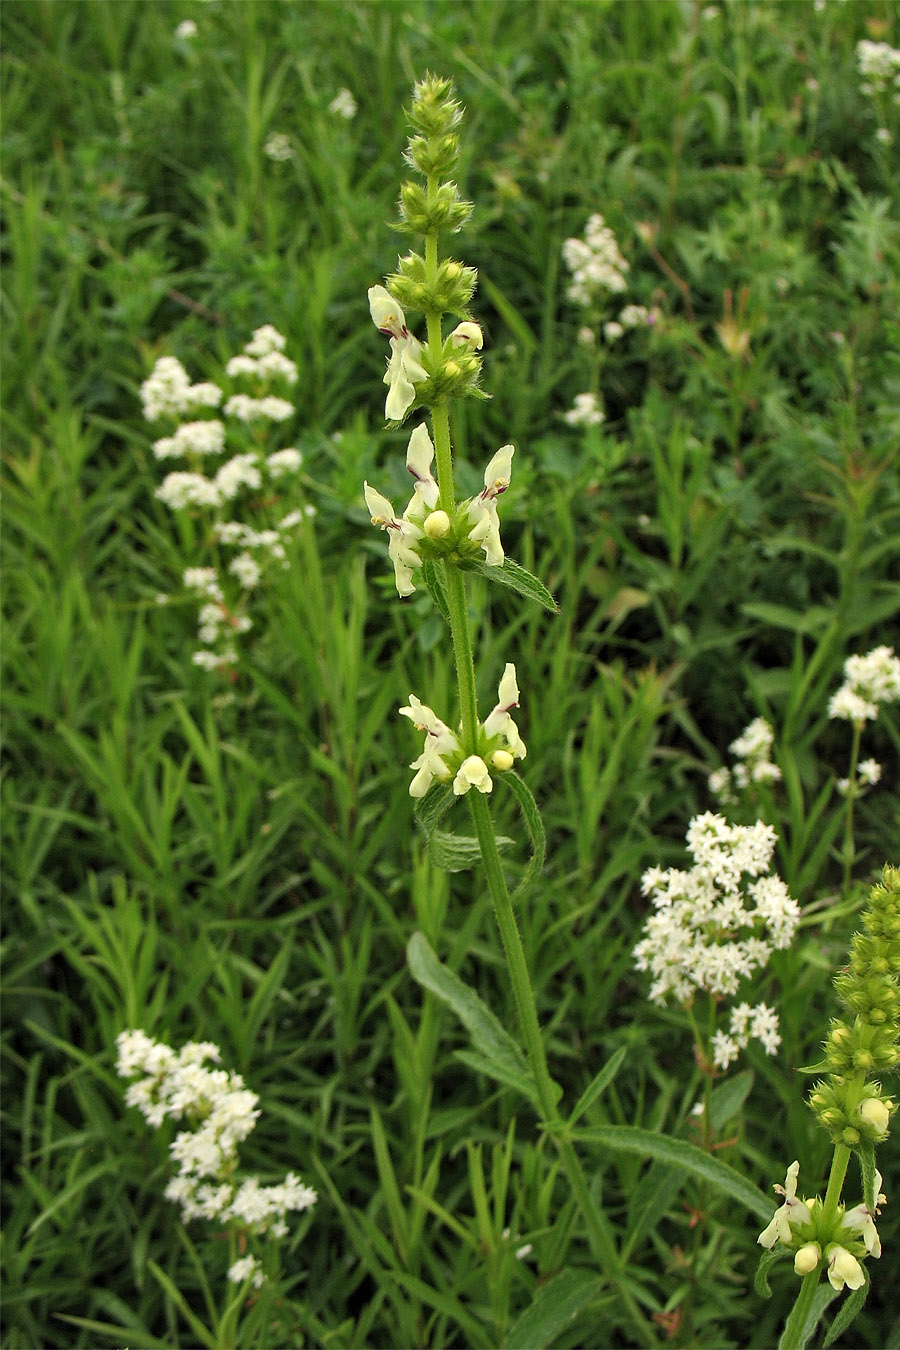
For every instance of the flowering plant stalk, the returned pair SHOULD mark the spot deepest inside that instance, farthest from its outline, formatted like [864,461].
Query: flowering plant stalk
[439,540]
[824,1236]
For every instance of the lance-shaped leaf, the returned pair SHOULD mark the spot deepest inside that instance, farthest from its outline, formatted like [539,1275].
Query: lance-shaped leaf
[501,1057]
[515,578]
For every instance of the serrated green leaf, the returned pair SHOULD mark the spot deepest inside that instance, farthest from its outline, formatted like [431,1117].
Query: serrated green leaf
[488,1035]
[630,1139]
[515,578]
[555,1305]
[431,809]
[458,852]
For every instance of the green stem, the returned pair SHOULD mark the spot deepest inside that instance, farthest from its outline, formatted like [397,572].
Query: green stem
[462,653]
[795,1329]
[849,847]
[601,1238]
[835,1185]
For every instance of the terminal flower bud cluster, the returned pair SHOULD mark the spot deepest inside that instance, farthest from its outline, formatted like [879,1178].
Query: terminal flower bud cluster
[865,1043]
[752,751]
[711,929]
[252,480]
[220,1112]
[841,1241]
[424,530]
[443,758]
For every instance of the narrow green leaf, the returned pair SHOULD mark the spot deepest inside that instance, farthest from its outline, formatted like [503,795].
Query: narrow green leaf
[489,1037]
[766,1262]
[435,584]
[204,1336]
[443,1302]
[630,1139]
[795,620]
[501,1073]
[124,1335]
[555,1305]
[799,1327]
[602,1079]
[515,578]
[849,1310]
[650,1202]
[728,1098]
[535,827]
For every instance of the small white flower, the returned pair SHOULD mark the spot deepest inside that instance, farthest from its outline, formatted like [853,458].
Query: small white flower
[484,522]
[246,1268]
[843,1268]
[178,490]
[239,472]
[405,369]
[246,569]
[807,1258]
[265,340]
[403,537]
[793,1211]
[186,29]
[278,147]
[586,412]
[869,771]
[469,335]
[473,772]
[499,722]
[343,105]
[419,457]
[439,742]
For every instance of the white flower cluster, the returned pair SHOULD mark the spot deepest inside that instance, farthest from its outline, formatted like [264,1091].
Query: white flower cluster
[343,105]
[278,147]
[477,519]
[879,65]
[221,1112]
[751,750]
[595,262]
[632,316]
[443,758]
[868,773]
[797,1224]
[587,411]
[693,939]
[868,681]
[168,393]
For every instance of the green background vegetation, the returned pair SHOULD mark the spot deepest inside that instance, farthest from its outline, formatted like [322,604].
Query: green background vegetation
[246,870]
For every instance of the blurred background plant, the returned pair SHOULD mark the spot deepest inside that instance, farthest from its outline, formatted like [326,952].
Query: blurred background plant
[173,178]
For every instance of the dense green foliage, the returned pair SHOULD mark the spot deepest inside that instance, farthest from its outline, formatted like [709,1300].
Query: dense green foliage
[237,862]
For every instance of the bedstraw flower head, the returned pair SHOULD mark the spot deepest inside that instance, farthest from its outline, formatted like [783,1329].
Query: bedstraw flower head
[868,681]
[219,1113]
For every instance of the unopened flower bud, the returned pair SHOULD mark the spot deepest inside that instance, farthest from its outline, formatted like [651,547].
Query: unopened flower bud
[437,524]
[467,334]
[502,760]
[876,1116]
[807,1258]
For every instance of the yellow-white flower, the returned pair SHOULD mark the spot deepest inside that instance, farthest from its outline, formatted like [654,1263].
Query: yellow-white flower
[843,1268]
[439,741]
[403,535]
[499,722]
[473,772]
[405,369]
[482,510]
[793,1211]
